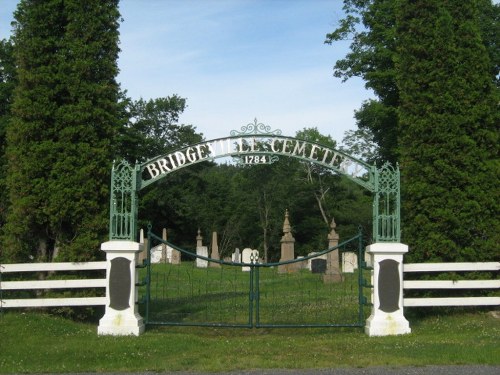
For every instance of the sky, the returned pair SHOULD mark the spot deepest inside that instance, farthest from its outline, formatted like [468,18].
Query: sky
[236,61]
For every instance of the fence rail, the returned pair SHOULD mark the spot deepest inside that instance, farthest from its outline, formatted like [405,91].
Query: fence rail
[51,284]
[451,284]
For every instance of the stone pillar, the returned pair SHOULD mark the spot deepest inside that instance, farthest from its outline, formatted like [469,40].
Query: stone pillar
[287,247]
[332,274]
[215,251]
[121,316]
[387,297]
[164,256]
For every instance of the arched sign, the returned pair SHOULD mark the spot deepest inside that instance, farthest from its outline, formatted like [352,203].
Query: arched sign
[256,143]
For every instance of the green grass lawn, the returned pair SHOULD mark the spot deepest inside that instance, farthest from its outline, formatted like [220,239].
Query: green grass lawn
[35,342]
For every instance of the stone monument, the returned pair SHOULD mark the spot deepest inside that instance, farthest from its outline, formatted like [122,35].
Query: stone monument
[287,248]
[202,251]
[332,273]
[215,251]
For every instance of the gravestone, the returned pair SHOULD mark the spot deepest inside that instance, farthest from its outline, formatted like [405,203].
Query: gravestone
[332,273]
[175,256]
[301,265]
[156,254]
[236,256]
[169,254]
[318,265]
[309,261]
[215,251]
[368,259]
[287,248]
[202,251]
[349,262]
[164,256]
[249,256]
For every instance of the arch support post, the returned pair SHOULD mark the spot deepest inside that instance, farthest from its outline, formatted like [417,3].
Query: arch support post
[387,316]
[121,316]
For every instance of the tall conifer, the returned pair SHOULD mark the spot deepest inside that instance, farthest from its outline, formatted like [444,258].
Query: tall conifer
[448,133]
[65,117]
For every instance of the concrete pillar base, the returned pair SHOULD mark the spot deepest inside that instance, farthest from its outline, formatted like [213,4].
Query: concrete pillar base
[387,297]
[121,316]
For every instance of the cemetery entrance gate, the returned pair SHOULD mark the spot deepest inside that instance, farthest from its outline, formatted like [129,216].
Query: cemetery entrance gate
[201,291]
[256,143]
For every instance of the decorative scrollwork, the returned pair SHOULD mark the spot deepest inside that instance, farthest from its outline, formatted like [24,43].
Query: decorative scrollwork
[255,128]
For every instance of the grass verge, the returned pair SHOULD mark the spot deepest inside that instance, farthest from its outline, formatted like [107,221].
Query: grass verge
[39,343]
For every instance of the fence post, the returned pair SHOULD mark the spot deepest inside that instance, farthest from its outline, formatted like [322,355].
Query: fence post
[387,297]
[121,316]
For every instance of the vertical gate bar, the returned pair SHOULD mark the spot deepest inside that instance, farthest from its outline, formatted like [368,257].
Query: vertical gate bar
[360,276]
[257,297]
[148,274]
[250,298]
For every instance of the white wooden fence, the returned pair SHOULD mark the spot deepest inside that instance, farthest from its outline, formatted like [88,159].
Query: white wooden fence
[101,283]
[51,284]
[451,284]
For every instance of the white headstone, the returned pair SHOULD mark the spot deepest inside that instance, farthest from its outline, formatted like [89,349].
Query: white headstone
[368,259]
[236,256]
[349,262]
[249,256]
[203,251]
[157,254]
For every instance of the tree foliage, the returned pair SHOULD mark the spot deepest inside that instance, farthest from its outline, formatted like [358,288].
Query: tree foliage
[372,58]
[152,128]
[371,27]
[433,66]
[7,84]
[449,135]
[64,120]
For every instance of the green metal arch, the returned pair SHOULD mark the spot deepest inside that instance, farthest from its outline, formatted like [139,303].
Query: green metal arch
[258,141]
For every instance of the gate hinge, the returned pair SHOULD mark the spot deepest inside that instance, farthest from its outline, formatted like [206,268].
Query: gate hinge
[141,301]
[143,282]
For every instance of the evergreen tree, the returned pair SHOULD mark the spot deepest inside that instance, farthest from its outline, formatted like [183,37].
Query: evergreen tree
[448,133]
[370,25]
[64,120]
[7,84]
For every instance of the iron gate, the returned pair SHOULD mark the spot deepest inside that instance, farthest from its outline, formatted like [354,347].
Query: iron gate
[264,295]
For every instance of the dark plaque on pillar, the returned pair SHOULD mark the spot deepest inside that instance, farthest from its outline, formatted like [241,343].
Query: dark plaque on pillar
[389,285]
[119,284]
[318,265]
